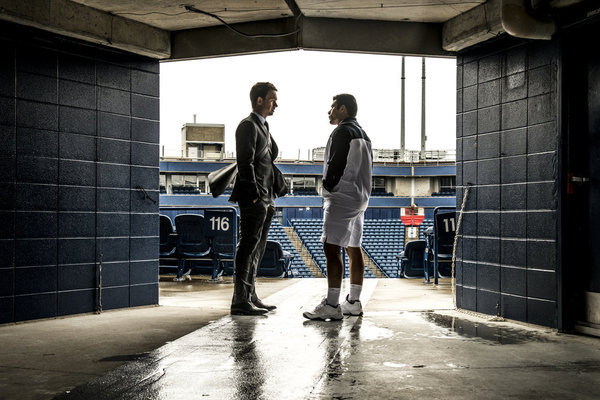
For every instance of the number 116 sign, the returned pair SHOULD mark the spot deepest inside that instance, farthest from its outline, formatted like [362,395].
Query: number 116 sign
[218,222]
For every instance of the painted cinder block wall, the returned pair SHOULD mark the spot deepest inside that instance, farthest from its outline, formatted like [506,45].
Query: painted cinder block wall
[507,149]
[79,134]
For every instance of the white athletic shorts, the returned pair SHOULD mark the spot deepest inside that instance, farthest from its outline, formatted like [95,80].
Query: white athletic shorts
[342,226]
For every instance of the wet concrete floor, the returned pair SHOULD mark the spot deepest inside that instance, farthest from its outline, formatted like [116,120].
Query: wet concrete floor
[406,351]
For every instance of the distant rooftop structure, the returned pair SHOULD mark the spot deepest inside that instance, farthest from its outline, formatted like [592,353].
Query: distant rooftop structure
[397,155]
[206,142]
[381,156]
[203,141]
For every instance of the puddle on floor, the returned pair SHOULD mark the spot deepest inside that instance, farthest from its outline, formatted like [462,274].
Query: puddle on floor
[477,330]
[369,331]
[125,357]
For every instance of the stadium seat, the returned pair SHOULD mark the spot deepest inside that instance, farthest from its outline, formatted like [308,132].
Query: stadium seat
[444,239]
[168,244]
[297,266]
[191,241]
[412,259]
[223,256]
[274,262]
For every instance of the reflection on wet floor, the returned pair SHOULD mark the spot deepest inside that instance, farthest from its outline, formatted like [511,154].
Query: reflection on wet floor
[279,356]
[493,333]
[124,357]
[249,373]
[401,354]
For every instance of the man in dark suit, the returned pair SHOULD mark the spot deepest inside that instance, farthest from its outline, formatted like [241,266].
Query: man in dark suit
[254,192]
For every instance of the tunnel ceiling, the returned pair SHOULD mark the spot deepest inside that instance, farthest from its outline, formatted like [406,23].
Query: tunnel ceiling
[171,16]
[188,29]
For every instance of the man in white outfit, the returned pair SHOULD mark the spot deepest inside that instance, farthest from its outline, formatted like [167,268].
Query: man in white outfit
[346,189]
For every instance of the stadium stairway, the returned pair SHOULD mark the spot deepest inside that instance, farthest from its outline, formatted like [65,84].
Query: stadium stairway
[303,252]
[370,264]
[310,230]
[300,268]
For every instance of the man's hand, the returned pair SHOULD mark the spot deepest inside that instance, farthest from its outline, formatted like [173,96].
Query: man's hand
[255,200]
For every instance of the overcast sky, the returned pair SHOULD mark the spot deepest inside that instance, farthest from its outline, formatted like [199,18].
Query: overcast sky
[217,91]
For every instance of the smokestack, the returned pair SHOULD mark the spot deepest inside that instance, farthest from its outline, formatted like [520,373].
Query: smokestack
[194,118]
[423,137]
[402,111]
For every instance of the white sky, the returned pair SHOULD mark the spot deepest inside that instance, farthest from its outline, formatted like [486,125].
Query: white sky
[217,91]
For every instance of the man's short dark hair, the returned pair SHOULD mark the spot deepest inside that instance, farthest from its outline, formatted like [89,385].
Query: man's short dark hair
[347,100]
[260,89]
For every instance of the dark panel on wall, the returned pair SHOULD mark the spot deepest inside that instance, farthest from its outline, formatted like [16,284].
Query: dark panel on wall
[76,301]
[35,306]
[7,309]
[143,294]
[508,152]
[116,297]
[72,115]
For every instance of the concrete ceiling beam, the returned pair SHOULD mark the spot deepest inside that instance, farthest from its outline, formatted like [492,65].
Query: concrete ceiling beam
[370,36]
[78,21]
[474,26]
[329,34]
[221,41]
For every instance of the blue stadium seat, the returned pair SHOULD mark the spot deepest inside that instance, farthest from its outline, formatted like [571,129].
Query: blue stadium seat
[191,241]
[412,260]
[298,268]
[168,244]
[223,255]
[275,263]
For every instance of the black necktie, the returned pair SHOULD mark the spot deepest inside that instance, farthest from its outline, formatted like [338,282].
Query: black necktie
[269,139]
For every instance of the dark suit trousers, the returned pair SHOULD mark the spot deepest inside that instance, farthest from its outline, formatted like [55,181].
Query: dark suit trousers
[255,221]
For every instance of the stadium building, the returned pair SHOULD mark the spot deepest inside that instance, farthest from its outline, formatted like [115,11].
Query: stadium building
[404,182]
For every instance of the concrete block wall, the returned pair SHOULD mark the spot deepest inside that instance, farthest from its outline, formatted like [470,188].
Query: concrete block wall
[79,136]
[507,149]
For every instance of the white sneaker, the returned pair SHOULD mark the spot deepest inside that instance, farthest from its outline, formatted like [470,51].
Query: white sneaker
[178,279]
[187,275]
[354,308]
[324,312]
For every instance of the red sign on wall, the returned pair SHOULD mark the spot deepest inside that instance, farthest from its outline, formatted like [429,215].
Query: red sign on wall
[412,216]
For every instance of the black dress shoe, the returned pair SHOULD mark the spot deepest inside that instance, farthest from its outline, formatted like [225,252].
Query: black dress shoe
[247,309]
[258,303]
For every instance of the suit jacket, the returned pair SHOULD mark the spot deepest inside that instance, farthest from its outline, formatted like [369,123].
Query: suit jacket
[255,176]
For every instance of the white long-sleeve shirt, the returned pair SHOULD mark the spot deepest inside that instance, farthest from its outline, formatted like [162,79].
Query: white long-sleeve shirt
[348,166]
